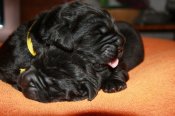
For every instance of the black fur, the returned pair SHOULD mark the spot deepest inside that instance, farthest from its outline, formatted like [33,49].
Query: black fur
[74,44]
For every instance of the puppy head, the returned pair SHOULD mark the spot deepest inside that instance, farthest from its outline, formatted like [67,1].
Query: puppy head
[58,76]
[80,27]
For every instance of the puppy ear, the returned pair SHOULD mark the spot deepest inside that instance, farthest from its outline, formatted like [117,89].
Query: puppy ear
[60,37]
[53,29]
[133,50]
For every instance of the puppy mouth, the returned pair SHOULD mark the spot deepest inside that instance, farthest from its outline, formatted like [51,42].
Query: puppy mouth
[114,63]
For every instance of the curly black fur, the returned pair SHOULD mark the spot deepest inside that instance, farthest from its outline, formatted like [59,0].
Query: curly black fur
[74,44]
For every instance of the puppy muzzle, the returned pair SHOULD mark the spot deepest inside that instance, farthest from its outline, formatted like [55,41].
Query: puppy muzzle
[39,87]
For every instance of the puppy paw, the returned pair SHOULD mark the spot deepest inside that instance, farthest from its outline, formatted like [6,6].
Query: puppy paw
[112,86]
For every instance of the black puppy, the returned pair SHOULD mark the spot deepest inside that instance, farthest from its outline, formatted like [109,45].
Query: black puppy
[69,53]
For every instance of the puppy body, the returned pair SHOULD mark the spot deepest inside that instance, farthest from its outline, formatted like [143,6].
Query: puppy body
[74,45]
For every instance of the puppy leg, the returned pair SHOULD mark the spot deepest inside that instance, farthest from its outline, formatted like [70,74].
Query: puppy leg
[117,80]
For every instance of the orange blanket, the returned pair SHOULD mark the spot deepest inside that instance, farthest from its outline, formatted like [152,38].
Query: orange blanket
[150,92]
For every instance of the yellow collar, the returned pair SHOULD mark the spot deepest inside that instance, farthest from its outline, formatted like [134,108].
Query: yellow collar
[21,70]
[29,40]
[29,46]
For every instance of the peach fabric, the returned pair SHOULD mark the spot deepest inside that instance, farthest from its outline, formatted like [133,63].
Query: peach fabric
[150,92]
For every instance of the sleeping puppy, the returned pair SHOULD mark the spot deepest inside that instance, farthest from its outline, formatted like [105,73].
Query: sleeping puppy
[70,53]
